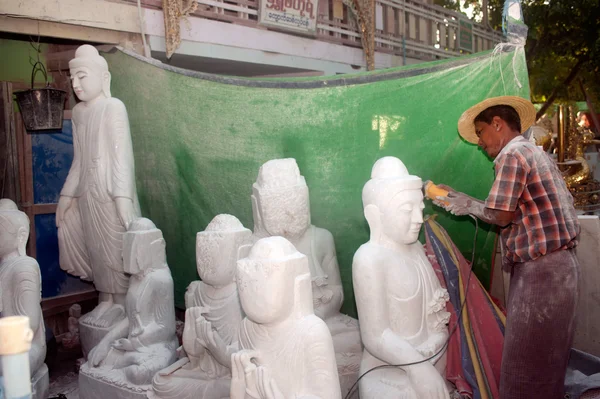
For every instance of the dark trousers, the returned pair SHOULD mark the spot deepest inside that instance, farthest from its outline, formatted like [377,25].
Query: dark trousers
[540,323]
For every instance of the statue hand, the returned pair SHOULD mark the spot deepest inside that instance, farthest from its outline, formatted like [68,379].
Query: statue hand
[123,344]
[214,342]
[242,369]
[266,385]
[125,211]
[98,354]
[190,334]
[64,203]
[427,381]
[319,281]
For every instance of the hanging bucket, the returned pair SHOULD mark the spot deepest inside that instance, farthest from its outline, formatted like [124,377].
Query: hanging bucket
[42,109]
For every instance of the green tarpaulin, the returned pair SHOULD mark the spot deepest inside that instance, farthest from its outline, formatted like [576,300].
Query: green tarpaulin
[200,139]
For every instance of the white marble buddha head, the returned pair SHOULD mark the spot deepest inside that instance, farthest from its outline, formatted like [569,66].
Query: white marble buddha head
[217,249]
[280,202]
[393,203]
[143,247]
[90,77]
[274,282]
[14,229]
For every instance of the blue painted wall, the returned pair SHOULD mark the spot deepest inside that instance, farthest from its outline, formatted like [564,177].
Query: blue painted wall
[52,156]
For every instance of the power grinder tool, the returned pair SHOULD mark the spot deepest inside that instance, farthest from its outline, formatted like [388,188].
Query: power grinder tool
[432,191]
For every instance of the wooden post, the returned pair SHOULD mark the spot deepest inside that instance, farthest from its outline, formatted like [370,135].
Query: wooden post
[9,161]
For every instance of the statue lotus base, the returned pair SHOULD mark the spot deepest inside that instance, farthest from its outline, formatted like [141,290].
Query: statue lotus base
[102,383]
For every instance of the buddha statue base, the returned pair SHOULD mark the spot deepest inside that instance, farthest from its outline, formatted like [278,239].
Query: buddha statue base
[90,335]
[40,383]
[105,382]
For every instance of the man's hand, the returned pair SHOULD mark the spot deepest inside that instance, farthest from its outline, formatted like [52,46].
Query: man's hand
[456,203]
[460,204]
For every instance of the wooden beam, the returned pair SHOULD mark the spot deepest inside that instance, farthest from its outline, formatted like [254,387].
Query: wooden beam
[62,303]
[43,209]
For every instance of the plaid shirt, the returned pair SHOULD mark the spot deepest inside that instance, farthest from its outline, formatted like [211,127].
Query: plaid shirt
[529,183]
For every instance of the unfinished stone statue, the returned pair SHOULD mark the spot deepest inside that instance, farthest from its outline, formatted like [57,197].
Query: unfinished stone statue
[98,199]
[212,318]
[287,352]
[281,207]
[125,360]
[400,302]
[71,339]
[21,289]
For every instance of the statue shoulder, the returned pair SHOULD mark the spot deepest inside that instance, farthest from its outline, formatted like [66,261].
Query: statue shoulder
[25,268]
[323,239]
[162,276]
[366,255]
[315,327]
[114,105]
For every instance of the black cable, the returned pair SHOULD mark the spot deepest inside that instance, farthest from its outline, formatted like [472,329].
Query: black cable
[443,348]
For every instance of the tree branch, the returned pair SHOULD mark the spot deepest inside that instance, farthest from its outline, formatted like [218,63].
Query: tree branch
[566,82]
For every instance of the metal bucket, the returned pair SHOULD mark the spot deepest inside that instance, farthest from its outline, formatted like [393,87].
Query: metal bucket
[42,109]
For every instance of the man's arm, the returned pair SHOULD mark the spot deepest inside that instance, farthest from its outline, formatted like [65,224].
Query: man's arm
[502,201]
[462,204]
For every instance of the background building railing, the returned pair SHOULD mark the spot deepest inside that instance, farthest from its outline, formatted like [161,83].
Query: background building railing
[409,28]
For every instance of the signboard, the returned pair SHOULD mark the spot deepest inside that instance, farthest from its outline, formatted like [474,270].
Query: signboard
[292,15]
[465,35]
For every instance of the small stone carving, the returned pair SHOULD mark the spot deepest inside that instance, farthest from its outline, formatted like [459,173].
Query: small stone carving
[212,318]
[125,360]
[287,352]
[281,207]
[21,289]
[401,304]
[71,339]
[98,199]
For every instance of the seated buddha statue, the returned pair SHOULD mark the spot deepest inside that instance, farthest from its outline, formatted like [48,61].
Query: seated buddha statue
[286,351]
[400,302]
[21,289]
[281,207]
[212,318]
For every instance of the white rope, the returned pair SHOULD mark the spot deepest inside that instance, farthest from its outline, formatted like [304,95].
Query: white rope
[496,54]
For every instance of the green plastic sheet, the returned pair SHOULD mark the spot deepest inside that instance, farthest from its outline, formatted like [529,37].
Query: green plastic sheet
[200,139]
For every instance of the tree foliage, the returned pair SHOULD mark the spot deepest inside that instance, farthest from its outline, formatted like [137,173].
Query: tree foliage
[563,46]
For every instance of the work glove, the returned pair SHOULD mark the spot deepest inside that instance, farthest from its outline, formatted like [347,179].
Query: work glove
[458,203]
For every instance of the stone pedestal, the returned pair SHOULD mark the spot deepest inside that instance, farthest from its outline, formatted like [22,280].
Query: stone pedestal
[99,383]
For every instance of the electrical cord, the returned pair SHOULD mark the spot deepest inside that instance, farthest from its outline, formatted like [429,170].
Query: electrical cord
[352,390]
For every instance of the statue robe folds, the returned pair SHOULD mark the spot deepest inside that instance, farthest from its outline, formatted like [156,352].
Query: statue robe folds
[91,235]
[204,376]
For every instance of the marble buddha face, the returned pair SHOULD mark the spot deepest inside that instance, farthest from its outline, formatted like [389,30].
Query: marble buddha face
[90,77]
[143,247]
[87,83]
[216,255]
[402,216]
[267,280]
[14,231]
[285,212]
[393,202]
[281,200]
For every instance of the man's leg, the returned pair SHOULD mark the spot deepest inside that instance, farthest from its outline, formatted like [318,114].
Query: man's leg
[539,327]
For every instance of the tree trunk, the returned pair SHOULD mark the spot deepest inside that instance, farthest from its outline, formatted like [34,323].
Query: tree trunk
[566,82]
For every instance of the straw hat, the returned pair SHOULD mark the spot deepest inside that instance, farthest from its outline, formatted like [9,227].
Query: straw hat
[524,108]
